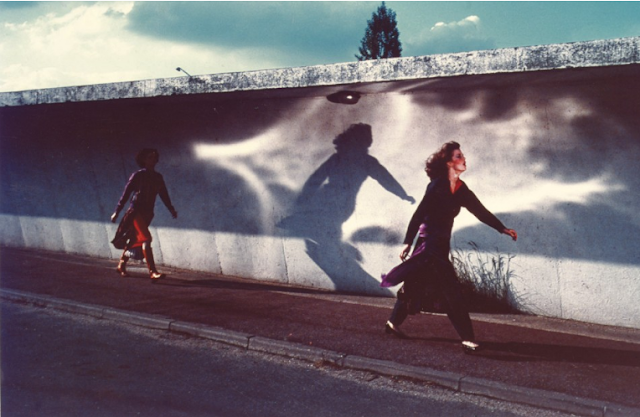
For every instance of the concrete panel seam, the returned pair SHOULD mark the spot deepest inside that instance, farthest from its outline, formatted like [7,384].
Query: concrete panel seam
[215,245]
[284,257]
[159,248]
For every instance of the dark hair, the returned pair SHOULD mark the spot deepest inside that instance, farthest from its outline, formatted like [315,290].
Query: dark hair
[358,135]
[436,165]
[141,157]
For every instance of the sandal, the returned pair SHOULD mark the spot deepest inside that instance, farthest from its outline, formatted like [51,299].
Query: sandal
[122,267]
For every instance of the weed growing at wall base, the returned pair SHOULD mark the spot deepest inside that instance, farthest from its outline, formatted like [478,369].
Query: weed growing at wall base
[485,278]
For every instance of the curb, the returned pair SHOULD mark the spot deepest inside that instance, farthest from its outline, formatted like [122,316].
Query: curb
[456,382]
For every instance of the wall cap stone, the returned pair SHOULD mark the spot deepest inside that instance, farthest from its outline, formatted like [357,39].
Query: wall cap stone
[598,53]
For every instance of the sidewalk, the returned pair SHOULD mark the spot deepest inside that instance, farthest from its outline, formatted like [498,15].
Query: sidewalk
[567,366]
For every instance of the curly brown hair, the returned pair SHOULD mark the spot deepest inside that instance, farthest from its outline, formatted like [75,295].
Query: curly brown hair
[436,165]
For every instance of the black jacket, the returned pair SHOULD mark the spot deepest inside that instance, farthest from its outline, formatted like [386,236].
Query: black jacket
[440,206]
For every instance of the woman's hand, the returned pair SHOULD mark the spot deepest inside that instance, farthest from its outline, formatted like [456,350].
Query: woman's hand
[114,216]
[174,214]
[405,252]
[512,233]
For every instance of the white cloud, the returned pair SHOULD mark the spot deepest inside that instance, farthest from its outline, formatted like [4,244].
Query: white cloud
[464,35]
[468,24]
[90,44]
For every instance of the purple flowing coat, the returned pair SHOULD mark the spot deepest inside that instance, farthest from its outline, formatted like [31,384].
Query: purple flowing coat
[433,220]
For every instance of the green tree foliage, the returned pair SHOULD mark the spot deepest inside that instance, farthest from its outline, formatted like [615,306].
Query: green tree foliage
[381,39]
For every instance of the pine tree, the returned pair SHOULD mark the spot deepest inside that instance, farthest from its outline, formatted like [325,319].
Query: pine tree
[381,38]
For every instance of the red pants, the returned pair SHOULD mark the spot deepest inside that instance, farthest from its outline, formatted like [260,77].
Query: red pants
[142,231]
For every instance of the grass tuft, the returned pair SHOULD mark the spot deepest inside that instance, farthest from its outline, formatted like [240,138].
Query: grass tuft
[485,279]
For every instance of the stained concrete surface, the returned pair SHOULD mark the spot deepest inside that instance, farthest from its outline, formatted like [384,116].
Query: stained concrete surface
[582,361]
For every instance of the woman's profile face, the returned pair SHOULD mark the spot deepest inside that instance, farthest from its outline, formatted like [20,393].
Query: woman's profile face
[458,161]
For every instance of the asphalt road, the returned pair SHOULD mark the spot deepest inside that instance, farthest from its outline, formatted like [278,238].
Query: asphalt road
[59,364]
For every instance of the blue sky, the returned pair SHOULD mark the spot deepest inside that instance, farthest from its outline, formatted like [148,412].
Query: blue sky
[52,44]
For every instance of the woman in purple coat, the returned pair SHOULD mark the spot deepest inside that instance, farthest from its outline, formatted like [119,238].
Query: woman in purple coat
[429,266]
[133,232]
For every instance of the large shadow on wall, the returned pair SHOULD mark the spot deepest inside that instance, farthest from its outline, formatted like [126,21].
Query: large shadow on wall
[328,199]
[583,142]
[71,160]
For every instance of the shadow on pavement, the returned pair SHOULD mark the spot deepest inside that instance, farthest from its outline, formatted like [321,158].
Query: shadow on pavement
[533,352]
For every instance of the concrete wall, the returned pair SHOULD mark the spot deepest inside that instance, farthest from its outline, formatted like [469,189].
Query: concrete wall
[262,192]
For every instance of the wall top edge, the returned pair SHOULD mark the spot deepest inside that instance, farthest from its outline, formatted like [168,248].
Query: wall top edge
[598,53]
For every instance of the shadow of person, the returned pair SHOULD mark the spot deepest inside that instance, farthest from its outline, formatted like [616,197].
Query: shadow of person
[540,352]
[328,199]
[545,352]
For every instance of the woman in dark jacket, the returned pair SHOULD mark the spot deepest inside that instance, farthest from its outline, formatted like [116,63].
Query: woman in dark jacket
[429,266]
[133,232]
